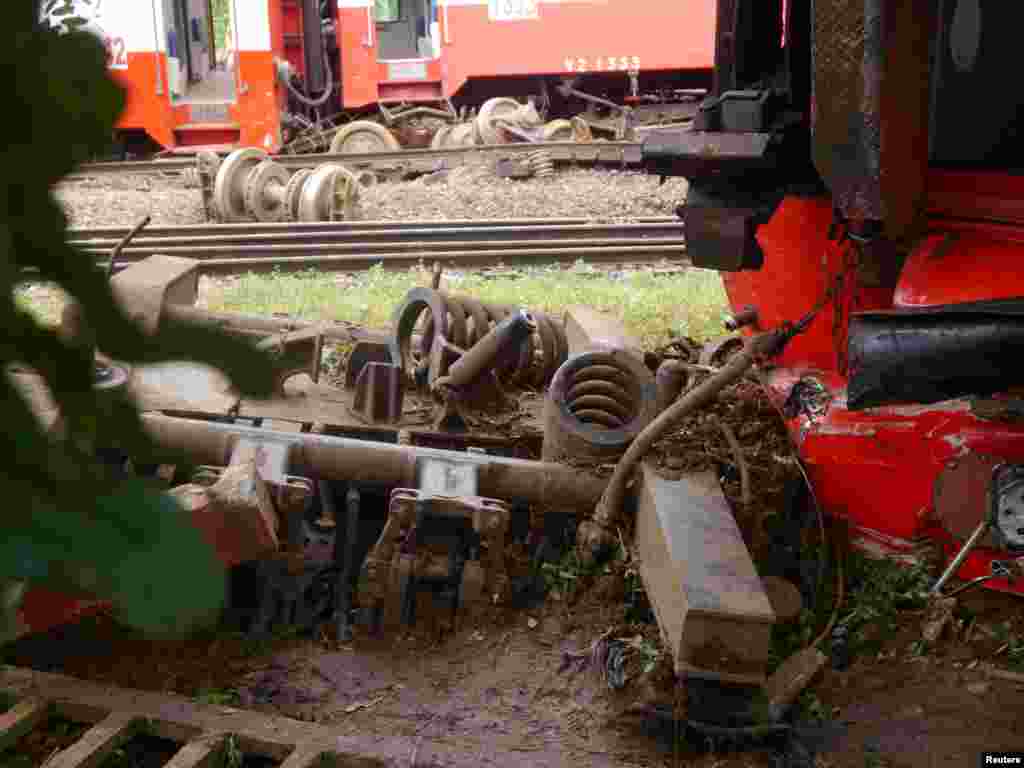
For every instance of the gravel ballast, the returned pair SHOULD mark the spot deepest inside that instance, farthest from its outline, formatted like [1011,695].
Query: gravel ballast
[465,192]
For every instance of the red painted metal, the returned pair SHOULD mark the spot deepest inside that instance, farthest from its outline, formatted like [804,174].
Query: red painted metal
[877,468]
[934,274]
[610,37]
[42,609]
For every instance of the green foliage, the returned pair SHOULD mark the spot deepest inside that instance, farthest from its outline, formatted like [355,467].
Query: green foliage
[876,592]
[566,574]
[227,697]
[230,755]
[1014,644]
[69,524]
[811,707]
[880,590]
[385,11]
[221,24]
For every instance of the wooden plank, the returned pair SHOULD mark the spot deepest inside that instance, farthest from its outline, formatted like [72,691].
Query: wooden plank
[271,735]
[20,719]
[98,742]
[196,754]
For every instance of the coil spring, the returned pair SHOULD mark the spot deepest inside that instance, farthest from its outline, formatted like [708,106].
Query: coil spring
[603,396]
[468,320]
[598,402]
[541,163]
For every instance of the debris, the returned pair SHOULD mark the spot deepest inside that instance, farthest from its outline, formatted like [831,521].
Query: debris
[1004,674]
[532,623]
[358,705]
[790,679]
[937,619]
[615,665]
[979,688]
[437,177]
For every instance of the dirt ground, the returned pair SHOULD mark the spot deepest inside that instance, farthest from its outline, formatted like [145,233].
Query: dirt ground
[499,684]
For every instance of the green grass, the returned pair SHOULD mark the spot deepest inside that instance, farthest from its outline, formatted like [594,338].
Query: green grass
[653,307]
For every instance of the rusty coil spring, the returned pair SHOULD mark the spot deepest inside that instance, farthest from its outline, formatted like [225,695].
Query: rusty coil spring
[464,322]
[603,396]
[597,403]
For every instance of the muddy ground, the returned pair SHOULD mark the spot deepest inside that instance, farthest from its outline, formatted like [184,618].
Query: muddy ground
[498,685]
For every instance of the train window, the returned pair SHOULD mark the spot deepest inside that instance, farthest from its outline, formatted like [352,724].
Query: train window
[387,11]
[977,113]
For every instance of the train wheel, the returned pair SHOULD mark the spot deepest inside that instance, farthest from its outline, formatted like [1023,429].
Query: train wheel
[364,136]
[229,186]
[293,191]
[265,189]
[558,130]
[440,139]
[490,111]
[329,194]
[461,135]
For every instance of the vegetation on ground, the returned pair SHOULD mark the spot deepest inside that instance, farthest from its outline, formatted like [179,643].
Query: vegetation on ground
[652,306]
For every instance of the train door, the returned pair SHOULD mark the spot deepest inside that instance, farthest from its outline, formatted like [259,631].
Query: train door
[201,63]
[406,29]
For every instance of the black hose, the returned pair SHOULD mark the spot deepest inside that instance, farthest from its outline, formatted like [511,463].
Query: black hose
[328,88]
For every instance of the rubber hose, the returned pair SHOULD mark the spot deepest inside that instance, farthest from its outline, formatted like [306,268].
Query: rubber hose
[328,88]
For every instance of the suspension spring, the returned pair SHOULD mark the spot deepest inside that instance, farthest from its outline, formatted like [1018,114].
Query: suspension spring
[463,321]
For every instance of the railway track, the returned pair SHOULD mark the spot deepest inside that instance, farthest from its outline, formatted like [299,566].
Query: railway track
[621,153]
[355,246]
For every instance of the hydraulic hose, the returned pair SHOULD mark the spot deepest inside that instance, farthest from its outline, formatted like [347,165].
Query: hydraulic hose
[328,88]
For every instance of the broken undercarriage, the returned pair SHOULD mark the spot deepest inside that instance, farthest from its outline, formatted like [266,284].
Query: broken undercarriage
[439,446]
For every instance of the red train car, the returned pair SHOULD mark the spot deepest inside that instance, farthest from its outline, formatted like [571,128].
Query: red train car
[229,73]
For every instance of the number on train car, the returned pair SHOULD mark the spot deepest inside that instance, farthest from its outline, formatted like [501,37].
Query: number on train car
[512,10]
[117,53]
[602,64]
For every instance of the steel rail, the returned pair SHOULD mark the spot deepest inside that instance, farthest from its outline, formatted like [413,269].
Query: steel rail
[305,242]
[598,152]
[114,234]
[484,257]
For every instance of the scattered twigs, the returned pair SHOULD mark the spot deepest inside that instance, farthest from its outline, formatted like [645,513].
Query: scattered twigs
[741,463]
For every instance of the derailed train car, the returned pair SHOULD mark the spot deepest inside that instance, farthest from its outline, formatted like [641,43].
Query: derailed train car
[229,73]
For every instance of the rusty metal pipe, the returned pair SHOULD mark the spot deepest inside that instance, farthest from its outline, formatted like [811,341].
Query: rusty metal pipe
[270,326]
[506,337]
[365,461]
[670,379]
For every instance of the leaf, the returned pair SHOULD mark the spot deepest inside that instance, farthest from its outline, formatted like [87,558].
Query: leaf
[69,521]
